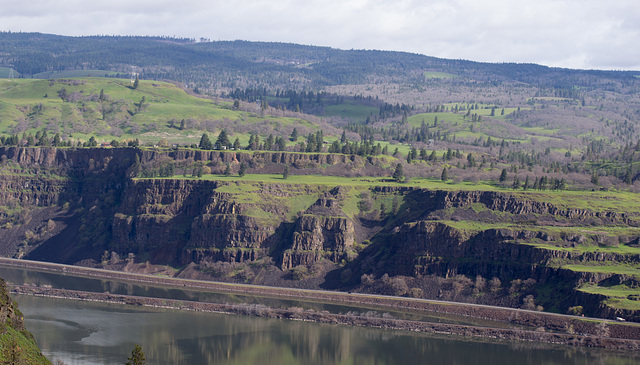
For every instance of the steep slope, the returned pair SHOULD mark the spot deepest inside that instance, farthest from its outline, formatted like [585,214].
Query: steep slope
[17,345]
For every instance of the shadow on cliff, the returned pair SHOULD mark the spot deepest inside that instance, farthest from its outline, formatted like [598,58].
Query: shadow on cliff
[63,248]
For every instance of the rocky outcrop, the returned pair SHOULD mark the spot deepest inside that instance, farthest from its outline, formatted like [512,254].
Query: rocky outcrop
[257,157]
[318,237]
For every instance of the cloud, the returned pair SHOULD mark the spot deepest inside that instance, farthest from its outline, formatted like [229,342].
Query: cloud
[570,33]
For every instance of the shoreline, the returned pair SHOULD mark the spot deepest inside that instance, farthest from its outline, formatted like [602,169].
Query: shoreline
[545,327]
[254,310]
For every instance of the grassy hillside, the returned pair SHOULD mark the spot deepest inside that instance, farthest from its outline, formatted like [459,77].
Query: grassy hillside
[17,345]
[112,109]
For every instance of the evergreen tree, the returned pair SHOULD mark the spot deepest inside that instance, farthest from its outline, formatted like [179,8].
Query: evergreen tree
[503,175]
[205,142]
[268,143]
[433,156]
[294,135]
[136,83]
[137,356]
[223,140]
[516,183]
[471,161]
[227,170]
[444,176]
[398,175]
[243,169]
[285,172]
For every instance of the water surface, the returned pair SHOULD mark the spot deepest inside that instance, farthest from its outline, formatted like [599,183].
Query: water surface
[84,333]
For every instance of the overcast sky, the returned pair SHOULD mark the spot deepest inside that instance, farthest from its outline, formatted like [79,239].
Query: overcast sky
[591,34]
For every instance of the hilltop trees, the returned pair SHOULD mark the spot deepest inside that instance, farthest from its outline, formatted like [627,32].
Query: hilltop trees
[205,142]
[222,141]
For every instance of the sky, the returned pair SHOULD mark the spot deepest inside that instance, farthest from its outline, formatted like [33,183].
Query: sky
[585,34]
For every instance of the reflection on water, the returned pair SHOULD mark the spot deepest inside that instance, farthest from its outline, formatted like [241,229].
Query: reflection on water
[98,333]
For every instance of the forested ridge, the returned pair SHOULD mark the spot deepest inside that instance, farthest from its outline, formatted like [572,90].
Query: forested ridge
[241,63]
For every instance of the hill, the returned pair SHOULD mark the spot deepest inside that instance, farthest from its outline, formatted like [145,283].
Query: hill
[225,64]
[109,109]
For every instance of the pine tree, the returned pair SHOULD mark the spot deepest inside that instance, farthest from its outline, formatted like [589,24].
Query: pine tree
[205,142]
[471,161]
[516,183]
[398,174]
[285,172]
[503,175]
[227,170]
[243,169]
[444,176]
[223,140]
[137,356]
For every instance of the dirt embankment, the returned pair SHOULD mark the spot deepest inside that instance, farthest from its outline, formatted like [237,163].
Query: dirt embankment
[545,327]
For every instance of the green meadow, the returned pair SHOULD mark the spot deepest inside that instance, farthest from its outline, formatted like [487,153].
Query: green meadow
[29,105]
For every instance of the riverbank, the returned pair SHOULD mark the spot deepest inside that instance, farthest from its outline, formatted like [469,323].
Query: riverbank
[539,326]
[538,335]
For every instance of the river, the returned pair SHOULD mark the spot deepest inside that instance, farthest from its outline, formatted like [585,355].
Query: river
[100,333]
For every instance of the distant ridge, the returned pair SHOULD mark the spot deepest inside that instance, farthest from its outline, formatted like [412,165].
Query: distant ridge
[230,64]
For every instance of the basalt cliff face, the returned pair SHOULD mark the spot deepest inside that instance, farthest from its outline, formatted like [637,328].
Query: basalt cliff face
[82,205]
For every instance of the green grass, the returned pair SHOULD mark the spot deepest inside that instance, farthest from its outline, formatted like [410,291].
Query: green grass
[74,73]
[618,295]
[164,102]
[497,127]
[614,201]
[350,110]
[5,72]
[607,268]
[28,351]
[438,75]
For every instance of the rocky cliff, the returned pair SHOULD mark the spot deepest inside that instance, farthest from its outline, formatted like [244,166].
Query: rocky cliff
[82,205]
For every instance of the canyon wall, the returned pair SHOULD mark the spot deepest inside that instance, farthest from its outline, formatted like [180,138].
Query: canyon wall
[78,205]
